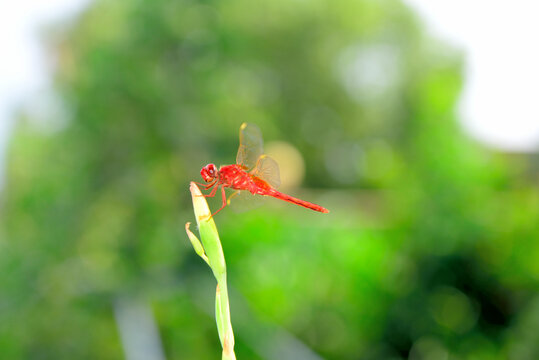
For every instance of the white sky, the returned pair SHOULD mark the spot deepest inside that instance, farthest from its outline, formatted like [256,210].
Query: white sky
[500,38]
[24,70]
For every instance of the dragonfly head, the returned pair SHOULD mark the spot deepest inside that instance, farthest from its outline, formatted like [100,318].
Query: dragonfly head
[209,172]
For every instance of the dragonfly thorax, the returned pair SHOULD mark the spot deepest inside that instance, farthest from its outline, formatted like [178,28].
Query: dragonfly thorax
[209,172]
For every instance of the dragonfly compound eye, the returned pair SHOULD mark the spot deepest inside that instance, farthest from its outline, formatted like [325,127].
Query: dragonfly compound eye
[208,172]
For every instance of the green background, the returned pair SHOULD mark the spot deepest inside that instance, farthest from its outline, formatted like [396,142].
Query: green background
[430,250]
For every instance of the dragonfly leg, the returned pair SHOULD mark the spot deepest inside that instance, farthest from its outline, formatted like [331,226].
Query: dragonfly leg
[212,193]
[224,201]
[206,186]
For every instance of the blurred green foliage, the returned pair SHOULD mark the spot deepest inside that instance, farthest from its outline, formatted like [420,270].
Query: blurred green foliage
[430,249]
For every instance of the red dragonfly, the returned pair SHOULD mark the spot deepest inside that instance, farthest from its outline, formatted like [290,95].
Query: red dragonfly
[253,172]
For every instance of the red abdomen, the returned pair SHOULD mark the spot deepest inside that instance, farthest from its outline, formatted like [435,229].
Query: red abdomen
[293,200]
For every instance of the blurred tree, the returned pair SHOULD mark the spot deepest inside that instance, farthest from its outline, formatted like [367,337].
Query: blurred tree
[152,90]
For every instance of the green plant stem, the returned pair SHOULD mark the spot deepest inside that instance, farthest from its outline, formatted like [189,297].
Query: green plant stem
[211,251]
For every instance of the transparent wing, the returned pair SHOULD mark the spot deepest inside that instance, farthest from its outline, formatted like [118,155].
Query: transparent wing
[267,169]
[251,145]
[241,201]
